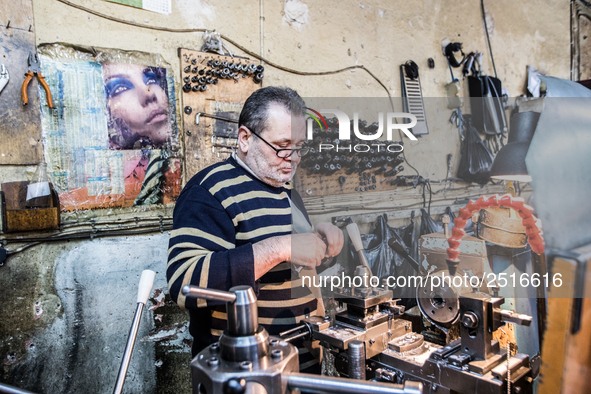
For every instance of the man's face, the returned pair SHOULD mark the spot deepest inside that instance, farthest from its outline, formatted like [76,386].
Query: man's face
[282,132]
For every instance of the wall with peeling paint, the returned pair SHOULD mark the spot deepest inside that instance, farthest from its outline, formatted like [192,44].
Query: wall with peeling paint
[66,307]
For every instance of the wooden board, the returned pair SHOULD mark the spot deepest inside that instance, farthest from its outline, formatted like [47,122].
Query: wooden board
[224,98]
[332,185]
[20,126]
[566,357]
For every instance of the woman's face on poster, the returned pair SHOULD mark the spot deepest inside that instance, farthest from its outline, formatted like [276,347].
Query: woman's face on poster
[136,99]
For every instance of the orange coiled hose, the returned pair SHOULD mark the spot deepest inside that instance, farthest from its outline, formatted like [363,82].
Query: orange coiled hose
[507,201]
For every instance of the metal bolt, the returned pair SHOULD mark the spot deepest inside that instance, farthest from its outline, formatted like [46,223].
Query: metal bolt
[246,365]
[470,320]
[212,362]
[273,342]
[371,342]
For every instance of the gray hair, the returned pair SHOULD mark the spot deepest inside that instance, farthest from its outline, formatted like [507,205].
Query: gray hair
[254,113]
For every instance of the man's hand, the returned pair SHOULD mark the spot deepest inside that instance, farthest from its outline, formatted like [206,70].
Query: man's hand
[334,237]
[307,250]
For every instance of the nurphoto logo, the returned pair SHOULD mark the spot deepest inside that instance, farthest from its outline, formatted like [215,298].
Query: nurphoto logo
[344,125]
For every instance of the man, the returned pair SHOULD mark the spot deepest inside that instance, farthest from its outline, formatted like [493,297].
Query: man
[233,224]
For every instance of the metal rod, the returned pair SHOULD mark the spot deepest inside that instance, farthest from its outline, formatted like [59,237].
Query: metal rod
[292,330]
[128,349]
[208,294]
[309,383]
[296,336]
[4,388]
[200,114]
[356,353]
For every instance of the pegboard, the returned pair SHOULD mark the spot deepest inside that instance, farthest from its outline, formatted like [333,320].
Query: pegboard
[211,140]
[341,183]
[354,168]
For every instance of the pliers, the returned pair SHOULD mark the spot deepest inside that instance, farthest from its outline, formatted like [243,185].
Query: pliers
[35,69]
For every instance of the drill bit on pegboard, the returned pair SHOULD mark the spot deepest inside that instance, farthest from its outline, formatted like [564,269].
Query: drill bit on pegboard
[214,88]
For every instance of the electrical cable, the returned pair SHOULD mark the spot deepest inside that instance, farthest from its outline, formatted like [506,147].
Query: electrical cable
[253,54]
[96,234]
[430,196]
[365,208]
[262,59]
[488,38]
[12,252]
[99,234]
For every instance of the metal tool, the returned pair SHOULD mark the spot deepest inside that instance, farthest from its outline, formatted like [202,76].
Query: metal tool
[144,290]
[395,354]
[247,360]
[200,114]
[299,268]
[4,388]
[4,77]
[35,70]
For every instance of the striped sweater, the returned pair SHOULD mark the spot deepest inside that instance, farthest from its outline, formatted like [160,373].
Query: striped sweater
[219,215]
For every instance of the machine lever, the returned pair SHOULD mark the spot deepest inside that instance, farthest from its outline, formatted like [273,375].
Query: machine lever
[208,294]
[308,383]
[144,290]
[355,236]
[403,251]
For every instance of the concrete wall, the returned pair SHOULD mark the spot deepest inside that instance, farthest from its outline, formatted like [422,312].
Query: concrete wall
[66,307]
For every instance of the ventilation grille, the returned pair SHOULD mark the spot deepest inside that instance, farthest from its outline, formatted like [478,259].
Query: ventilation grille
[413,102]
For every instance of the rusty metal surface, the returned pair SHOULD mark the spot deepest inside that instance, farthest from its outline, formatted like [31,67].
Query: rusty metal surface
[498,226]
[32,219]
[16,217]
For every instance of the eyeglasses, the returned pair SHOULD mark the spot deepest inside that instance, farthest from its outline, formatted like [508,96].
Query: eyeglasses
[285,153]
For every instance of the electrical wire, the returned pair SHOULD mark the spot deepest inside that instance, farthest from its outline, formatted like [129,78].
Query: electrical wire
[67,237]
[245,50]
[488,38]
[96,234]
[227,39]
[10,252]
[366,208]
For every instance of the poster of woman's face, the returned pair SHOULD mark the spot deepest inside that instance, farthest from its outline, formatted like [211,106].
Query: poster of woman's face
[138,106]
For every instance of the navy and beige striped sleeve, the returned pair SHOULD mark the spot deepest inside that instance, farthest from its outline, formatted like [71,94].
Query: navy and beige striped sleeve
[202,249]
